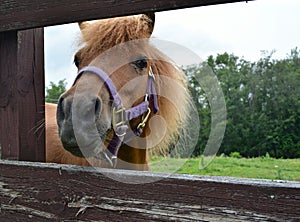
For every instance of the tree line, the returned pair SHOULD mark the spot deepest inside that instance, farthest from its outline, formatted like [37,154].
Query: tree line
[262,102]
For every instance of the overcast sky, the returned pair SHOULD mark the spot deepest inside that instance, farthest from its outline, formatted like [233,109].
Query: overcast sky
[244,29]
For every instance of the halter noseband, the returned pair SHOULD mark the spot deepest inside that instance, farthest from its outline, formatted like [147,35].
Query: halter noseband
[120,115]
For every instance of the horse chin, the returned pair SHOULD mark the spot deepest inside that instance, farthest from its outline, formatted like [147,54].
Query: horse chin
[74,150]
[99,153]
[86,152]
[96,147]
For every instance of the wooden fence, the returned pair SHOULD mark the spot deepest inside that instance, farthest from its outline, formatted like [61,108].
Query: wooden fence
[42,192]
[52,192]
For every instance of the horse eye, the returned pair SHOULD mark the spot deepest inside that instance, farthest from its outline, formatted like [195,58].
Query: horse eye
[76,61]
[141,63]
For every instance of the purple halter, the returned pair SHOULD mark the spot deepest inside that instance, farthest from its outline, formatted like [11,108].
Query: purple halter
[122,116]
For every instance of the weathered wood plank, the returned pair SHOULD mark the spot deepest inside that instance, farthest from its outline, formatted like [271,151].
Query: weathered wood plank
[61,192]
[9,132]
[22,95]
[31,91]
[34,13]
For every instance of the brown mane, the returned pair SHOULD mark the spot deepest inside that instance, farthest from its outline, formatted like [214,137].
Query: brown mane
[105,34]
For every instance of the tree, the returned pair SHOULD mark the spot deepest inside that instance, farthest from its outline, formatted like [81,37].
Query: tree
[201,102]
[54,91]
[262,100]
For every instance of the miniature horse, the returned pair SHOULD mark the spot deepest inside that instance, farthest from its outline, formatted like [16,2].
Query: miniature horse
[126,88]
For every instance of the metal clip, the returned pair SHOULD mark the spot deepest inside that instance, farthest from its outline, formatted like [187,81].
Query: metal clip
[151,74]
[144,119]
[118,121]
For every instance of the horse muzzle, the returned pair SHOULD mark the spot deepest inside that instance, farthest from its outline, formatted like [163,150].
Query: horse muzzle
[81,129]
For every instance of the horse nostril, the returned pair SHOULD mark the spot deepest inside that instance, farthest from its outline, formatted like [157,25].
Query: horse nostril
[97,107]
[60,115]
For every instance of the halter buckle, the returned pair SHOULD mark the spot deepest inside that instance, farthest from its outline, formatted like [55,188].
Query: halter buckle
[118,117]
[144,119]
[151,74]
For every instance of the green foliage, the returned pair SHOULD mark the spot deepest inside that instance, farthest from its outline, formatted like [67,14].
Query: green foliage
[54,91]
[267,156]
[262,100]
[235,155]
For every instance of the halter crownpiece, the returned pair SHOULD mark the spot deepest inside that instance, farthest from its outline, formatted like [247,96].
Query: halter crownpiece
[120,115]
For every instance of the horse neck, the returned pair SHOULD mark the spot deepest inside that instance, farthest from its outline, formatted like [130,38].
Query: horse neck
[133,158]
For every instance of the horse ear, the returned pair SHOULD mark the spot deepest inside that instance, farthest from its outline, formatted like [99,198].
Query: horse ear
[149,19]
[151,16]
[83,25]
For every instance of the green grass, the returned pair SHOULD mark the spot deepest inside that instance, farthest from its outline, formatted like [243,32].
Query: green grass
[261,167]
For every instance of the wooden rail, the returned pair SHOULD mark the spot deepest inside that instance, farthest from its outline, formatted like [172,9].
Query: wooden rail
[34,13]
[51,192]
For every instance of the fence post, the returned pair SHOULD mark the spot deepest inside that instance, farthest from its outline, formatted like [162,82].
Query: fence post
[22,135]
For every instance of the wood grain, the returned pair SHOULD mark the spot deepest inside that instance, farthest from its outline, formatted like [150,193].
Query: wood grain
[22,95]
[33,13]
[9,132]
[49,192]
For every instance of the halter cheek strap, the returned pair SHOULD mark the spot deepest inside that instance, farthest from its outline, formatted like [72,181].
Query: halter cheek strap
[122,116]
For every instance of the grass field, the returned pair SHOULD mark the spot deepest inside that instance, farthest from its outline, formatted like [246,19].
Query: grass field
[261,167]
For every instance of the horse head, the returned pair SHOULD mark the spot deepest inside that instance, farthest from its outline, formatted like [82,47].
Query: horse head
[116,91]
